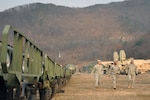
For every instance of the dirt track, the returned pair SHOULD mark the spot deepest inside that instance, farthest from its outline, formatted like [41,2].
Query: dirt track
[81,87]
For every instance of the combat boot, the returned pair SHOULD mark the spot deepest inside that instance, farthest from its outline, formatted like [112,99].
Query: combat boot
[132,87]
[129,86]
[96,87]
[114,87]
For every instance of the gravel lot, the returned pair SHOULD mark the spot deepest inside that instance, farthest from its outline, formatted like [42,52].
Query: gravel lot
[81,87]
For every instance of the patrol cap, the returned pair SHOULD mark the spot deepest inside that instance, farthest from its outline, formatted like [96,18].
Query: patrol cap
[115,61]
[132,59]
[98,60]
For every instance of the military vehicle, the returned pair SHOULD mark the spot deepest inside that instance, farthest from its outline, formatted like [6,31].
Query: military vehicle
[71,67]
[121,59]
[25,70]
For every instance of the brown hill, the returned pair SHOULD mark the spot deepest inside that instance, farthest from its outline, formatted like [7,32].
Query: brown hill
[81,35]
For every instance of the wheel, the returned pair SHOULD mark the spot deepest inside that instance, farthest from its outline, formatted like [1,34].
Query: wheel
[45,94]
[48,94]
[3,92]
[54,89]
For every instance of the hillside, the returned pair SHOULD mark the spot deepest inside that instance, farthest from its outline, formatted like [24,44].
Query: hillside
[82,35]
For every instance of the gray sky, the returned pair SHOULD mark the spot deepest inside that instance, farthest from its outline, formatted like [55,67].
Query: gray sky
[6,4]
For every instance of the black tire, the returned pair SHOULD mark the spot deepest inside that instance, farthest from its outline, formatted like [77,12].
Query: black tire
[48,94]
[2,92]
[45,94]
[59,87]
[54,89]
[64,82]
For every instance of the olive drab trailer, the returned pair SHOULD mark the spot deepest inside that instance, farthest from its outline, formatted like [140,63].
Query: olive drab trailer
[25,69]
[71,67]
[25,63]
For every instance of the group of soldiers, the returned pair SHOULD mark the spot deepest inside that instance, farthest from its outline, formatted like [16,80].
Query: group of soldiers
[114,71]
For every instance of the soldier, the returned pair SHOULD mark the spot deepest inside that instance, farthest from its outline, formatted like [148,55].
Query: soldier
[115,71]
[98,72]
[131,71]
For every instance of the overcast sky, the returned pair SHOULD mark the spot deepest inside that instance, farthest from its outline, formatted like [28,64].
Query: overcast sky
[6,4]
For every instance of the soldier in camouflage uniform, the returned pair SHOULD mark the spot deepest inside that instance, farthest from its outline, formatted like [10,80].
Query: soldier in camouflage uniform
[114,71]
[131,71]
[98,73]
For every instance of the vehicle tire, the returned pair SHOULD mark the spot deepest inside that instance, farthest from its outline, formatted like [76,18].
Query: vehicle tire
[2,91]
[54,89]
[48,93]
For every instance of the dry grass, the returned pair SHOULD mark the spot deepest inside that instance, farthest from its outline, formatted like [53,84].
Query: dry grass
[81,87]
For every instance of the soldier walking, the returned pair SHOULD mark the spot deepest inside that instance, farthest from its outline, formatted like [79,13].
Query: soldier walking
[115,71]
[131,71]
[98,73]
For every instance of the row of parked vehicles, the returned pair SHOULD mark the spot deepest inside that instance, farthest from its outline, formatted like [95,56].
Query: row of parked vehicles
[26,71]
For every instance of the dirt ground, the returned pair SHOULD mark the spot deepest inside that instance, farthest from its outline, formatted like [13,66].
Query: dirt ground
[81,87]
